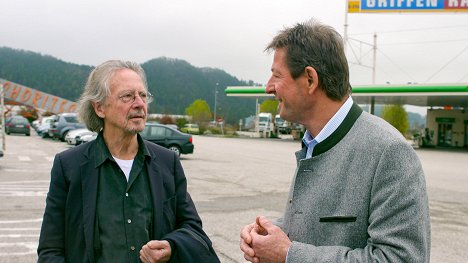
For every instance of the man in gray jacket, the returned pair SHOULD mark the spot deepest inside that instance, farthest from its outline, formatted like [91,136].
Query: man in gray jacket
[358,193]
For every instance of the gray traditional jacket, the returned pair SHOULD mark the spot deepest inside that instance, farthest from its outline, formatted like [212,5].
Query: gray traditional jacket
[360,198]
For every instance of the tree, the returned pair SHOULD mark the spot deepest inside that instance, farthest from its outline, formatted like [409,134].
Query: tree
[166,119]
[199,111]
[28,112]
[396,115]
[270,106]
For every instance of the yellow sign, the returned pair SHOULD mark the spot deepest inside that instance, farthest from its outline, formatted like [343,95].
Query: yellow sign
[383,6]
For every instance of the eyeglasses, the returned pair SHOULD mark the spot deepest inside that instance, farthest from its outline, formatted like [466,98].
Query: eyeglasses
[129,97]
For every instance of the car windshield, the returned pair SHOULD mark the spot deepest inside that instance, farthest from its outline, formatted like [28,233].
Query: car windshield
[71,119]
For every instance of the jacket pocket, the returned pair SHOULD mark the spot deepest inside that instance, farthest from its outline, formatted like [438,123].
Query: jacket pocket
[337,219]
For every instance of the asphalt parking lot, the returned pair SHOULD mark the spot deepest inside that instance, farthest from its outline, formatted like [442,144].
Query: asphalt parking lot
[231,180]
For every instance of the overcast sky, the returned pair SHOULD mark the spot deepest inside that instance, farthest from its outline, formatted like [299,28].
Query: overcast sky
[231,35]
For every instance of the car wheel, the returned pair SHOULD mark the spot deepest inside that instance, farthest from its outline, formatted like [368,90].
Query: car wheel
[63,136]
[175,149]
[28,134]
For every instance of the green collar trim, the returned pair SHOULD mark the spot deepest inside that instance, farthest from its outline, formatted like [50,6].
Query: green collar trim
[340,132]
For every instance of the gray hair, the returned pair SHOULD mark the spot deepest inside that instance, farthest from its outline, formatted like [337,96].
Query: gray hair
[321,47]
[97,90]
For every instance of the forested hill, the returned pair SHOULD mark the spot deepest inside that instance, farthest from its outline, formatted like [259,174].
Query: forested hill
[43,72]
[174,83]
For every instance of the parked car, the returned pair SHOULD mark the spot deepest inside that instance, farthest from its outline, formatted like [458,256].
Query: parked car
[84,138]
[63,123]
[17,124]
[44,126]
[169,138]
[72,135]
[35,124]
[173,126]
[191,128]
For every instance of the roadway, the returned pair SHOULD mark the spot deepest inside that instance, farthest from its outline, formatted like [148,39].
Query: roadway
[231,181]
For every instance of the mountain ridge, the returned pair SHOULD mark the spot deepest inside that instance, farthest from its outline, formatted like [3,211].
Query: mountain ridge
[175,83]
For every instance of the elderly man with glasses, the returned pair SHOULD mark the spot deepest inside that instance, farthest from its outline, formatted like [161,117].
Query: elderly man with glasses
[120,198]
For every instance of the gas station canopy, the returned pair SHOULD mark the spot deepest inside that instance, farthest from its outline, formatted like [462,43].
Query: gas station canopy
[430,95]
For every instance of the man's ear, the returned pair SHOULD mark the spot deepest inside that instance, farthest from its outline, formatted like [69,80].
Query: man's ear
[312,79]
[98,108]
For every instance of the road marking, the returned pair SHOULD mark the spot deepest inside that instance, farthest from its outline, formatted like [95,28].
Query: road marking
[17,235]
[23,182]
[30,248]
[24,158]
[24,188]
[21,240]
[21,221]
[20,229]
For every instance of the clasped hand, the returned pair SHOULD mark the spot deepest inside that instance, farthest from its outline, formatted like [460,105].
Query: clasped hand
[155,251]
[264,242]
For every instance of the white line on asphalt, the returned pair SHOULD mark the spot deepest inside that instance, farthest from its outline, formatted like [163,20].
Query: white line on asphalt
[24,158]
[16,170]
[17,235]
[22,187]
[29,246]
[23,182]
[23,193]
[21,221]
[20,229]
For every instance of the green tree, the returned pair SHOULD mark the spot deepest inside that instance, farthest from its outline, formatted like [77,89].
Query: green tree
[396,115]
[270,106]
[199,111]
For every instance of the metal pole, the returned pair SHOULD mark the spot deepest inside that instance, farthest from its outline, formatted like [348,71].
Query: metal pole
[2,102]
[216,95]
[345,33]
[374,58]
[372,109]
[256,116]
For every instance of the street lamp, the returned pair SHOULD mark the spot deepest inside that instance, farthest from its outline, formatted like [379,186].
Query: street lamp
[2,111]
[216,95]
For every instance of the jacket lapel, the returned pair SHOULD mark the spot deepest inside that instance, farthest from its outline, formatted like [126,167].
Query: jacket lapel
[156,186]
[89,188]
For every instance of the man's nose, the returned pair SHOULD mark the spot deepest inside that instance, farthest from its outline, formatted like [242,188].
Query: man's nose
[138,101]
[270,88]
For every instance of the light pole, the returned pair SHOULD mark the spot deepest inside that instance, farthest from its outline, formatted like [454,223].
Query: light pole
[2,111]
[216,95]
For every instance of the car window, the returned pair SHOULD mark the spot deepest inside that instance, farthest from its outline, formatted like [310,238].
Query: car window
[157,131]
[71,119]
[19,121]
[169,132]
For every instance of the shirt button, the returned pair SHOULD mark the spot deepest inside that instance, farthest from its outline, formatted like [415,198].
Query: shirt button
[126,194]
[132,248]
[129,221]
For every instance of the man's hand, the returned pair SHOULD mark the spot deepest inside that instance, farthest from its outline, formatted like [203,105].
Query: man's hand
[155,251]
[269,242]
[246,243]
